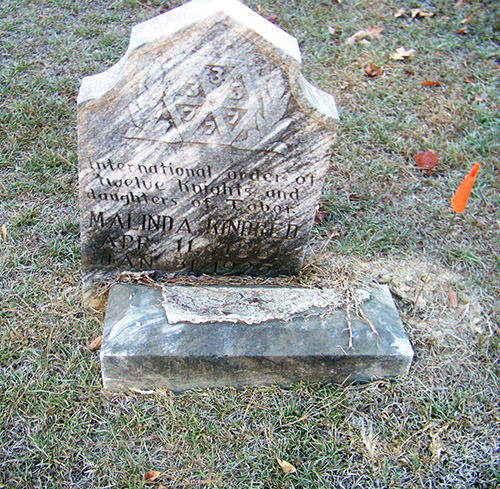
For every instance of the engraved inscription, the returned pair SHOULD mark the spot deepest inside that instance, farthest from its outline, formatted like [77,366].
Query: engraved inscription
[201,153]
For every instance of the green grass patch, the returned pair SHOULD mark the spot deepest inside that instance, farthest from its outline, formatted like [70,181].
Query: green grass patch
[438,427]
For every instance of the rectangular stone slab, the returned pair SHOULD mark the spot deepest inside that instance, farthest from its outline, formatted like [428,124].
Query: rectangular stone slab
[142,350]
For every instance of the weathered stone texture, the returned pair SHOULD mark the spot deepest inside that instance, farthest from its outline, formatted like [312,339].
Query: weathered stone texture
[203,150]
[143,350]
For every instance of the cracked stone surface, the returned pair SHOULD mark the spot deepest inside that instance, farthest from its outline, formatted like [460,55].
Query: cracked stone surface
[203,150]
[142,349]
[249,305]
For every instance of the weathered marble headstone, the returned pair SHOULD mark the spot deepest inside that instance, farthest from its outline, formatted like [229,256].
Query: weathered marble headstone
[203,150]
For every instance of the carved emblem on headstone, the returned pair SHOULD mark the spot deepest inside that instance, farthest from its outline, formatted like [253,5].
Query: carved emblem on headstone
[216,103]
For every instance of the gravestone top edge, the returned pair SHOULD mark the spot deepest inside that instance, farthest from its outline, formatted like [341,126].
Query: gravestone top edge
[172,22]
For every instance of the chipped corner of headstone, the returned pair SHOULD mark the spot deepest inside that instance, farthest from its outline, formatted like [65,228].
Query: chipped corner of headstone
[320,101]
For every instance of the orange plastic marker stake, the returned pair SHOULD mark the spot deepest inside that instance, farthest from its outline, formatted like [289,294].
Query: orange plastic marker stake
[461,196]
[458,203]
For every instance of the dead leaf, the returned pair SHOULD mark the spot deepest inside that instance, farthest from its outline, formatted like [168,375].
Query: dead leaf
[344,84]
[402,53]
[273,18]
[439,53]
[430,84]
[356,37]
[360,37]
[151,475]
[418,12]
[286,467]
[337,1]
[452,298]
[334,234]
[95,344]
[445,18]
[372,71]
[320,217]
[463,30]
[460,4]
[400,13]
[427,160]
[409,72]
[375,31]
[466,20]
[4,232]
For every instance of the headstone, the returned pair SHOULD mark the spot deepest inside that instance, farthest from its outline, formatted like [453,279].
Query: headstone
[203,150]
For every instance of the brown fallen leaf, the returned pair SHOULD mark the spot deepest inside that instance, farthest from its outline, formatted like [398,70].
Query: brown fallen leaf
[95,344]
[409,72]
[375,31]
[431,84]
[418,12]
[362,36]
[344,84]
[452,298]
[427,160]
[273,18]
[460,4]
[466,20]
[463,30]
[4,232]
[402,53]
[151,475]
[372,71]
[286,467]
[319,217]
[400,13]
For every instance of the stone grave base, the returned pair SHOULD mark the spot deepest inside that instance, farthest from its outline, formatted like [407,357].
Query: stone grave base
[218,336]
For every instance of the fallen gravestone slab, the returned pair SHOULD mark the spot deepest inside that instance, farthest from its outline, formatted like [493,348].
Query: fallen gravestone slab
[143,350]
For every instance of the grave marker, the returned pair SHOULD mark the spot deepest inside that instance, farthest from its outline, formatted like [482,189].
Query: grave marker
[203,150]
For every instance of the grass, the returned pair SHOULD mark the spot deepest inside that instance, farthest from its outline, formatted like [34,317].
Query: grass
[438,427]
